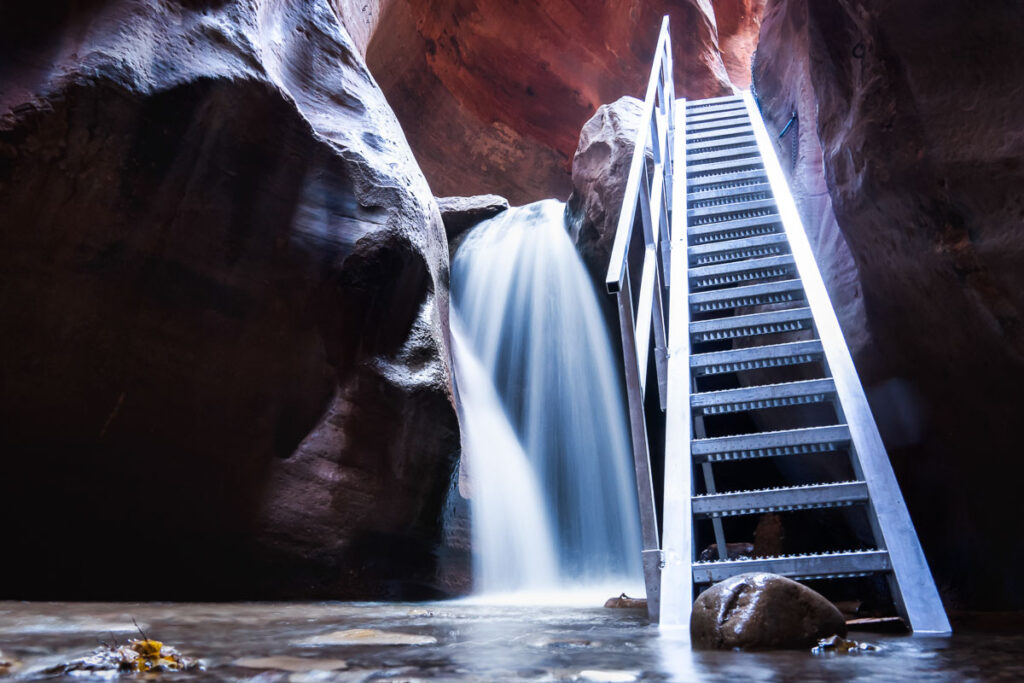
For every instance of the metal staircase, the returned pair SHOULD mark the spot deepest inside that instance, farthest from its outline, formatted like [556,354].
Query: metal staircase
[748,341]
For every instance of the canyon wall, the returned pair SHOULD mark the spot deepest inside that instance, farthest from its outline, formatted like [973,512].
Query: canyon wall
[916,108]
[493,94]
[224,361]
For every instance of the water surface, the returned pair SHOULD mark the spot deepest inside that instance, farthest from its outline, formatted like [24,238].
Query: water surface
[475,642]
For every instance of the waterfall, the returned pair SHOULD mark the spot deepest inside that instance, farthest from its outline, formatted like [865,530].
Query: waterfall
[527,317]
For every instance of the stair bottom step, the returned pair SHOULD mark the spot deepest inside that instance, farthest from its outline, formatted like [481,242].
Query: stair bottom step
[834,565]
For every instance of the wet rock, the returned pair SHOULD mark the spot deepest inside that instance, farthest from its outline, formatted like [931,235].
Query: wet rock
[7,664]
[225,305]
[461,213]
[368,636]
[510,84]
[733,551]
[841,646]
[286,663]
[762,611]
[626,602]
[136,656]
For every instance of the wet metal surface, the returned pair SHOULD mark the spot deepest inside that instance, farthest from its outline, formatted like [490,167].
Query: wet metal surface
[473,642]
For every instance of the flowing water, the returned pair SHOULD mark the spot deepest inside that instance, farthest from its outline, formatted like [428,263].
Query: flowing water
[531,320]
[509,529]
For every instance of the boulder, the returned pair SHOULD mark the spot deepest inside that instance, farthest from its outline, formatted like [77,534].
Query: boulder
[762,611]
[462,213]
[600,169]
[225,303]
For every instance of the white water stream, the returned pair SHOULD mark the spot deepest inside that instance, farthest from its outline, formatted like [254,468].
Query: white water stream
[552,492]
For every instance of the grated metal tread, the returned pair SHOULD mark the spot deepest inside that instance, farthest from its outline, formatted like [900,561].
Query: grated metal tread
[717,124]
[704,106]
[737,113]
[731,250]
[756,357]
[763,396]
[722,145]
[780,499]
[729,190]
[698,159]
[725,274]
[701,137]
[732,215]
[761,294]
[753,325]
[711,101]
[695,182]
[807,440]
[727,200]
[833,565]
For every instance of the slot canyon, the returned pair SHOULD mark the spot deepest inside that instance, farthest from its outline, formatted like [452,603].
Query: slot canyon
[228,279]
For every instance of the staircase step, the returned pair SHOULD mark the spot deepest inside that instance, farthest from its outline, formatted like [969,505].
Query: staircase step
[717,124]
[746,163]
[698,182]
[783,499]
[766,222]
[695,160]
[786,291]
[771,444]
[747,153]
[726,190]
[740,113]
[701,106]
[696,104]
[799,567]
[725,274]
[756,357]
[763,396]
[753,325]
[731,250]
[721,212]
[704,136]
[719,146]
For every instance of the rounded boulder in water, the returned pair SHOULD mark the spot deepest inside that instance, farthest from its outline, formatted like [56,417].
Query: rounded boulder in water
[762,611]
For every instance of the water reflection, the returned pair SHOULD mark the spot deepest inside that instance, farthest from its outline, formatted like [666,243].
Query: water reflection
[475,642]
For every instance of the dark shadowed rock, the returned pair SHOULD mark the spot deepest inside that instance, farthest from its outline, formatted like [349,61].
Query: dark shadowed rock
[461,213]
[225,309]
[910,118]
[762,611]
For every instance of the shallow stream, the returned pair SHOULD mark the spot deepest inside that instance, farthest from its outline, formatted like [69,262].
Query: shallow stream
[473,642]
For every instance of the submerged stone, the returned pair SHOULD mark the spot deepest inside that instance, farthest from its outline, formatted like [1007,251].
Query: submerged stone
[368,636]
[841,646]
[762,611]
[626,602]
[296,664]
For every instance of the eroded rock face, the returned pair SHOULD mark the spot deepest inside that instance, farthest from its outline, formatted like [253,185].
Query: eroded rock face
[225,302]
[762,611]
[738,23]
[492,94]
[920,129]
